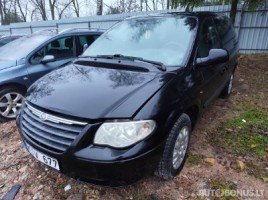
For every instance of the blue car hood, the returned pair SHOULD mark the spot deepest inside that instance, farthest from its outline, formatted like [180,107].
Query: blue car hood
[7,63]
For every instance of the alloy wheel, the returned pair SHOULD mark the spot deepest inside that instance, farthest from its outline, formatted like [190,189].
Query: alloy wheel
[10,104]
[230,86]
[180,147]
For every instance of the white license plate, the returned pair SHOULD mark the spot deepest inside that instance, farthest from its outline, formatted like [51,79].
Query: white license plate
[52,162]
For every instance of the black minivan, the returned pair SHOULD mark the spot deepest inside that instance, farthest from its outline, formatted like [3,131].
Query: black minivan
[130,102]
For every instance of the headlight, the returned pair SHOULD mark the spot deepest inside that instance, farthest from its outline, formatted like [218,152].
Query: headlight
[123,134]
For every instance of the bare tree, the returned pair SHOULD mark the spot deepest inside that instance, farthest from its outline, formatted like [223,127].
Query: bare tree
[122,6]
[61,7]
[99,7]
[162,4]
[76,6]
[52,6]
[1,12]
[23,9]
[8,11]
[40,5]
[33,14]
[154,2]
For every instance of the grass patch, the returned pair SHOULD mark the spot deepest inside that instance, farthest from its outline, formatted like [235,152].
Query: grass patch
[245,134]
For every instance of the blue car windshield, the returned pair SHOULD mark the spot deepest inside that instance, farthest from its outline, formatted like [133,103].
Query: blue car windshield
[21,47]
[163,39]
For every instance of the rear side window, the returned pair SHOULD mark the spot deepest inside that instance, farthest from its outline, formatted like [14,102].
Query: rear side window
[61,48]
[208,38]
[226,31]
[223,25]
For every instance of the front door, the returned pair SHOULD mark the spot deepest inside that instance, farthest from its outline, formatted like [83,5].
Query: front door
[212,75]
[63,51]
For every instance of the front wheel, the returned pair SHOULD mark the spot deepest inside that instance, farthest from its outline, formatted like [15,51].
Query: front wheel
[11,100]
[175,150]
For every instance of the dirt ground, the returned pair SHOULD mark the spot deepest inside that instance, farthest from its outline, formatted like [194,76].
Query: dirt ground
[211,166]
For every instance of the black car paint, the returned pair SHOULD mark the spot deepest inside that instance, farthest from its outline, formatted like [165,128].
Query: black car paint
[117,88]
[160,96]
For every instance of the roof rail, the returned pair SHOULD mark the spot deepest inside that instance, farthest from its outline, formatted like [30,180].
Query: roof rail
[180,12]
[188,12]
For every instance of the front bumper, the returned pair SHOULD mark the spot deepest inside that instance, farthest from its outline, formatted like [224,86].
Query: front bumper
[107,173]
[110,173]
[103,165]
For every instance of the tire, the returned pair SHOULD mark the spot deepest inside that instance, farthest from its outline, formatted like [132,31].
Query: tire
[11,99]
[168,168]
[227,90]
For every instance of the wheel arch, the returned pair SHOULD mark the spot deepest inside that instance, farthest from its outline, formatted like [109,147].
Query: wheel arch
[193,112]
[14,85]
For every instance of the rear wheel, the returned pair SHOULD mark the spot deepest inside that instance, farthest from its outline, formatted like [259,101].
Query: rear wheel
[228,88]
[11,99]
[176,147]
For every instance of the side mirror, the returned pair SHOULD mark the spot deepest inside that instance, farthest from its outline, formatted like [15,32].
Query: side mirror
[48,58]
[85,47]
[215,56]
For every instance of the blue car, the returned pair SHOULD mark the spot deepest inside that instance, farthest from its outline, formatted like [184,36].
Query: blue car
[28,58]
[5,39]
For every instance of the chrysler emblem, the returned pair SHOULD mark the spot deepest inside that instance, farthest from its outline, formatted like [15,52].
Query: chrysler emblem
[43,116]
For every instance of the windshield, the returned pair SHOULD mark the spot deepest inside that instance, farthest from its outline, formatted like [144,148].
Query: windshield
[21,47]
[163,39]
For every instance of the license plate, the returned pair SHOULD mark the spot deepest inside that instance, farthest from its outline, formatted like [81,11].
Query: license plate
[48,160]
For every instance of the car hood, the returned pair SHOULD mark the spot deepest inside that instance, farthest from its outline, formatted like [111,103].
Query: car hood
[7,63]
[95,92]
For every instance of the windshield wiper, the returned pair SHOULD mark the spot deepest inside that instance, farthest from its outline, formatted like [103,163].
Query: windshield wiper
[159,65]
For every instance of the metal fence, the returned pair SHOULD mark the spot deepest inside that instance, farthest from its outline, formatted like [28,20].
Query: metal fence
[251,26]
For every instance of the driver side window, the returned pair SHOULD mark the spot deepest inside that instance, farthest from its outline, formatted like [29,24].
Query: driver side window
[61,49]
[38,56]
[208,38]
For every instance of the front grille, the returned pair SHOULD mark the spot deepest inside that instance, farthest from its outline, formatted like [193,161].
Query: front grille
[49,131]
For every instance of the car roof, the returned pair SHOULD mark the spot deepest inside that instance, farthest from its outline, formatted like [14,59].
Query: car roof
[199,14]
[82,30]
[56,31]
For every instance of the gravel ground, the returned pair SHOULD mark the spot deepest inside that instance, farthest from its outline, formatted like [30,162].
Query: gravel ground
[207,167]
